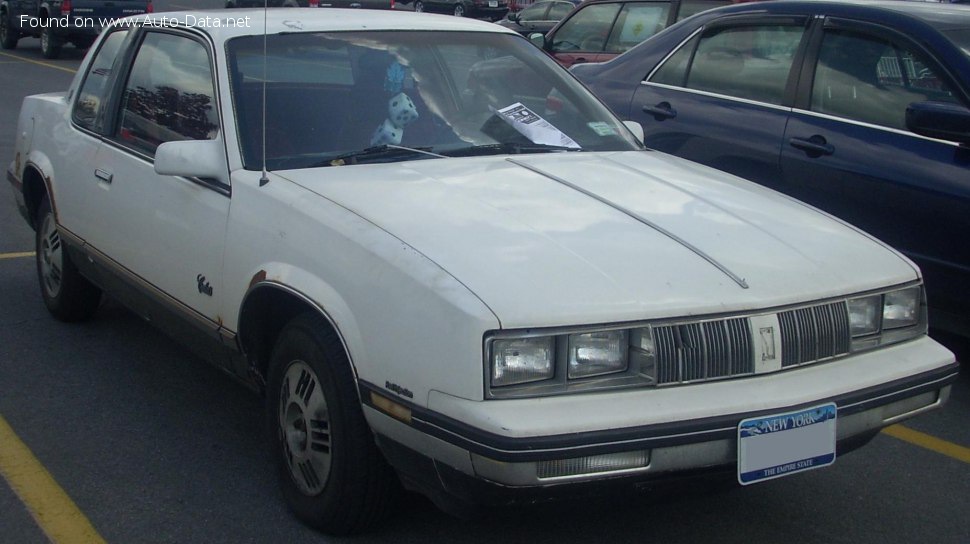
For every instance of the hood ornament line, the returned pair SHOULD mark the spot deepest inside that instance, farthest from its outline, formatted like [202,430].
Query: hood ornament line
[697,251]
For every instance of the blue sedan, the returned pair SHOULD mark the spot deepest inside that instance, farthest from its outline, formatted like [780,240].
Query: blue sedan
[860,109]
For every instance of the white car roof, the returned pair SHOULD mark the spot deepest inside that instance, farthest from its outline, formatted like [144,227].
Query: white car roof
[228,23]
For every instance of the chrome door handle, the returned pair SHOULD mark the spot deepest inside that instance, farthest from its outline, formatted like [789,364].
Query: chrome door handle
[103,176]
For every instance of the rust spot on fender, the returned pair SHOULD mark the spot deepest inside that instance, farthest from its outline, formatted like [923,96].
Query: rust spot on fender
[219,320]
[16,162]
[257,277]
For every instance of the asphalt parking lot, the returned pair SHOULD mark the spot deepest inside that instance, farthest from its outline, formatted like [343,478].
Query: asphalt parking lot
[111,432]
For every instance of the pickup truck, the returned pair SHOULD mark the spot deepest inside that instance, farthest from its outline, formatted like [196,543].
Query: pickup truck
[57,22]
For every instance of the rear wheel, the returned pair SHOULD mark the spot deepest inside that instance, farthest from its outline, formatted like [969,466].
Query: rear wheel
[68,295]
[50,45]
[8,36]
[332,474]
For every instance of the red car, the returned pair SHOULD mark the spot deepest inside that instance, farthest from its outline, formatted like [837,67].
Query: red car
[599,30]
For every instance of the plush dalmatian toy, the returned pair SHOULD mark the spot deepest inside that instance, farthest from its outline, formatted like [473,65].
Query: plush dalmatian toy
[400,109]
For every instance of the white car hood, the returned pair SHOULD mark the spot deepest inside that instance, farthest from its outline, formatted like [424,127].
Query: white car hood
[581,238]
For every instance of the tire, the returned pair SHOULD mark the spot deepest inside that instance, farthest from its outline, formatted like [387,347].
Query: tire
[333,477]
[8,36]
[50,45]
[68,295]
[459,10]
[419,7]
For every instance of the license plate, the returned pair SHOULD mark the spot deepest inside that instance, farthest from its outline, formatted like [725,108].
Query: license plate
[493,3]
[779,445]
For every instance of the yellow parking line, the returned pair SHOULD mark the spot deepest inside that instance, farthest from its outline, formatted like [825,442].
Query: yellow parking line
[929,442]
[52,509]
[39,63]
[20,255]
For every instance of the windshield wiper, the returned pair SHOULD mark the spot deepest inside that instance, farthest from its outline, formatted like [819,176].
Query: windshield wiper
[382,151]
[508,147]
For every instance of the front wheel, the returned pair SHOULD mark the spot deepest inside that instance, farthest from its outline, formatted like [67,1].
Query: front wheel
[68,295]
[8,36]
[332,474]
[419,6]
[50,46]
[459,10]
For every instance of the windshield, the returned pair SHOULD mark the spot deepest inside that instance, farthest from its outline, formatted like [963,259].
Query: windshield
[961,37]
[448,93]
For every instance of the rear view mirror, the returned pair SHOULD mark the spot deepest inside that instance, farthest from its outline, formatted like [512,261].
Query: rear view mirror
[538,39]
[636,128]
[941,120]
[193,158]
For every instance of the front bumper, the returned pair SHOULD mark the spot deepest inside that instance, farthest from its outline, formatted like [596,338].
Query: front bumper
[503,444]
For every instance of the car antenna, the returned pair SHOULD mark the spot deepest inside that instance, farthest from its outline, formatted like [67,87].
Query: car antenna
[264,179]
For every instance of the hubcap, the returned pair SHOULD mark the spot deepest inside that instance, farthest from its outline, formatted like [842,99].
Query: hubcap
[304,427]
[459,11]
[419,7]
[51,257]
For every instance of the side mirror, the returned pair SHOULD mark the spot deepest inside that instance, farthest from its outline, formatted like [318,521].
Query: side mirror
[513,16]
[941,120]
[538,39]
[636,129]
[192,158]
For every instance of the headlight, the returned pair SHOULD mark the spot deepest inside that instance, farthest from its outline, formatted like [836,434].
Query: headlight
[597,353]
[901,308]
[864,315]
[522,360]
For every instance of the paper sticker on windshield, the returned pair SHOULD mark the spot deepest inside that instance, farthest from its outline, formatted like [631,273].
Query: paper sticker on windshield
[601,128]
[535,128]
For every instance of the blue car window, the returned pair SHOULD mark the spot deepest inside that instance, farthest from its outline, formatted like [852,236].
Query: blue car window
[750,62]
[674,70]
[872,80]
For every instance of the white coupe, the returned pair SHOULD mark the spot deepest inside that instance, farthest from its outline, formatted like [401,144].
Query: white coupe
[445,263]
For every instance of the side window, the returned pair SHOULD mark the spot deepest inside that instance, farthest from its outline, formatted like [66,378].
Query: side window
[89,108]
[535,12]
[636,23]
[169,94]
[750,62]
[693,7]
[559,10]
[587,29]
[674,70]
[872,80]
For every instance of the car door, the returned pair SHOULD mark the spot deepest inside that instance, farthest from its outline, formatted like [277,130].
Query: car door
[847,151]
[723,97]
[165,231]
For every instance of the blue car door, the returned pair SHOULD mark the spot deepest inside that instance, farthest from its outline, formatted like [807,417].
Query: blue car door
[730,75]
[847,150]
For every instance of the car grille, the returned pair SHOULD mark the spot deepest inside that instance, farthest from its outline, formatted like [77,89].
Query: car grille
[813,334]
[709,350]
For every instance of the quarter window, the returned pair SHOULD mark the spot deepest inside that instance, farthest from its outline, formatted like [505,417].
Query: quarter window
[751,62]
[169,94]
[872,80]
[89,108]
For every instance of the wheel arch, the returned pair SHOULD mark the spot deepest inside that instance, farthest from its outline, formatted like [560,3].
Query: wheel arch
[266,309]
[35,187]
